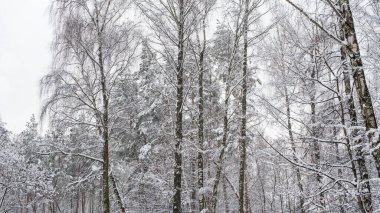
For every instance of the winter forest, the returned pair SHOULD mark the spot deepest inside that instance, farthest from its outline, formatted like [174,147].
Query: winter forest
[248,106]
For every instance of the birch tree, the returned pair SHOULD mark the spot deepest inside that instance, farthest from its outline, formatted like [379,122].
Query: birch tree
[94,48]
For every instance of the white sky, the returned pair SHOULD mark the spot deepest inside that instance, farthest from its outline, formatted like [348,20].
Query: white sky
[25,38]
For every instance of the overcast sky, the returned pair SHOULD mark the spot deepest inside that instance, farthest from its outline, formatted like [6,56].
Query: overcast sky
[25,37]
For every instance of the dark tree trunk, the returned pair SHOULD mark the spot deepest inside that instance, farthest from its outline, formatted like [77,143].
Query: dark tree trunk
[178,128]
[105,131]
[201,122]
[84,202]
[243,131]
[226,204]
[117,194]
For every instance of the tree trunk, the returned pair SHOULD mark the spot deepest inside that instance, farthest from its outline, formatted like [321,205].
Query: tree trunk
[360,200]
[178,128]
[243,132]
[117,194]
[226,206]
[221,155]
[105,131]
[353,52]
[77,202]
[84,202]
[201,196]
[292,143]
[263,206]
[344,25]
[315,146]
[364,189]
[342,197]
